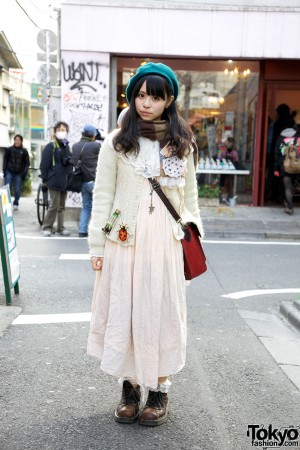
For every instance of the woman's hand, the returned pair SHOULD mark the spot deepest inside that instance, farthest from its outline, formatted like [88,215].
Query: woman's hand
[97,262]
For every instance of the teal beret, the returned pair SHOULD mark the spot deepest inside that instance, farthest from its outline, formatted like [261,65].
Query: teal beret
[153,69]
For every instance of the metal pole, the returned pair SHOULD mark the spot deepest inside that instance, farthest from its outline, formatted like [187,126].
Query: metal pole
[58,10]
[48,84]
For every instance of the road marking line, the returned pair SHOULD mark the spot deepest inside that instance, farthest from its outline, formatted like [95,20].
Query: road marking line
[53,238]
[37,319]
[75,256]
[253,292]
[251,242]
[208,241]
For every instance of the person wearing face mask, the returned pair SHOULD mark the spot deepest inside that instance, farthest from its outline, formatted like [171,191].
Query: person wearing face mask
[226,181]
[55,166]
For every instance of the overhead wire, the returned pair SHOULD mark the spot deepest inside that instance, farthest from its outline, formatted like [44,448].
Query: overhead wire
[41,10]
[25,12]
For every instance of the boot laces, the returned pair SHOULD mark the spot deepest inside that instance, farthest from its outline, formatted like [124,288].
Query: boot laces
[155,399]
[130,394]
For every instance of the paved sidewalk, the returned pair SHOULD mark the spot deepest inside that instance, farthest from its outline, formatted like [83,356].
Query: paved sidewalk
[26,221]
[248,222]
[240,222]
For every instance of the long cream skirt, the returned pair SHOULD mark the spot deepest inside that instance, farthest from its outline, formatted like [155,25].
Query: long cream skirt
[138,325]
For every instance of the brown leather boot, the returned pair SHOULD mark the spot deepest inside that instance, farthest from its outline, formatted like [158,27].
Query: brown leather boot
[155,411]
[127,410]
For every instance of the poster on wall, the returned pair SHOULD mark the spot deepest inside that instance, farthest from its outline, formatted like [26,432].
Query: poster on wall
[229,123]
[85,91]
[74,200]
[211,133]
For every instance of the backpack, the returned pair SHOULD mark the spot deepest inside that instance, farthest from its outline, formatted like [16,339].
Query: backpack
[291,163]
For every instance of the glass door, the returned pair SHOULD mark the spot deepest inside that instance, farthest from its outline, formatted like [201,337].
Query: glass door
[282,99]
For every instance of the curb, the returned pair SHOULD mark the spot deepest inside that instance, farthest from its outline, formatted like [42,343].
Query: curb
[7,315]
[291,311]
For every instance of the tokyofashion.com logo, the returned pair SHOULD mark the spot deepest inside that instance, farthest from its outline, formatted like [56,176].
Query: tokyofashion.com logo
[271,437]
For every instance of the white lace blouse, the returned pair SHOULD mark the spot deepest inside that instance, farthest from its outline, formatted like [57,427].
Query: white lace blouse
[151,162]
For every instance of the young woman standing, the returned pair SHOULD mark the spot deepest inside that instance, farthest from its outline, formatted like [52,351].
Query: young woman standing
[138,326]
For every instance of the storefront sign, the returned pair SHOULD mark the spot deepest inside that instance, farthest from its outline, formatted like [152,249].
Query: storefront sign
[8,245]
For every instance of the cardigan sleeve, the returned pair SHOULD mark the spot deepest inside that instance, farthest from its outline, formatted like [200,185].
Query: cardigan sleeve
[191,192]
[103,196]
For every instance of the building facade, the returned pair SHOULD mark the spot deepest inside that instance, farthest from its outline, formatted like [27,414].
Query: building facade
[15,99]
[236,62]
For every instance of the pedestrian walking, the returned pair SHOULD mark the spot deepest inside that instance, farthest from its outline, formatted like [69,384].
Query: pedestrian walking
[15,167]
[138,325]
[55,166]
[86,151]
[289,136]
[273,189]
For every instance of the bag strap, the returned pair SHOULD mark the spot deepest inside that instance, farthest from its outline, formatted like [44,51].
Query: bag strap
[156,187]
[79,161]
[80,156]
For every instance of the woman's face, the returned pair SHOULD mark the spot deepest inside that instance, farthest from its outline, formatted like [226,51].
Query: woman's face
[150,107]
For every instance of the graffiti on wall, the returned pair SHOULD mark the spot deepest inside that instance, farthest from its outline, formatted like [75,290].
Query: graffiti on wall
[85,91]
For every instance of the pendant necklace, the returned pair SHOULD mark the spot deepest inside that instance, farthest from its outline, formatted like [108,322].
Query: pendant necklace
[151,207]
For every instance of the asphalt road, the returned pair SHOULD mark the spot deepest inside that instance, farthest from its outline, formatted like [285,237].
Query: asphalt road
[54,397]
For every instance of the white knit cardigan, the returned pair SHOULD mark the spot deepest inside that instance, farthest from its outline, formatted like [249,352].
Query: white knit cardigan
[119,186]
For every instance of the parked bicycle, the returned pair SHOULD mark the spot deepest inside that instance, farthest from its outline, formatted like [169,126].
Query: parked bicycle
[42,202]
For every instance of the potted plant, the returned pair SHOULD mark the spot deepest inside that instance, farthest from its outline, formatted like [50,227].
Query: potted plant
[208,195]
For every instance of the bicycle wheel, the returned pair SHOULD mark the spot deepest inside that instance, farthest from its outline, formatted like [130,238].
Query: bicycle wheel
[41,205]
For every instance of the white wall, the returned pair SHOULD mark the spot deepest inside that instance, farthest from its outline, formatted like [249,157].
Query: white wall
[207,32]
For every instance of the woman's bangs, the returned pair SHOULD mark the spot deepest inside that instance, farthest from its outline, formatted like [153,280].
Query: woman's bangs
[156,86]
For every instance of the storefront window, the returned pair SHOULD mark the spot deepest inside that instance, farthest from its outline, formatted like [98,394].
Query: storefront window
[219,100]
[20,116]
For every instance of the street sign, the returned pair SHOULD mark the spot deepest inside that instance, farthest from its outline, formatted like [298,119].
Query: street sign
[8,245]
[43,57]
[42,40]
[42,74]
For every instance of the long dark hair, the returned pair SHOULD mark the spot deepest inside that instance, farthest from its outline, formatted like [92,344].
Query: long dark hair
[179,134]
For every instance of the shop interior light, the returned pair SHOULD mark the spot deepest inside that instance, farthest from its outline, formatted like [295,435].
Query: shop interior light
[246,73]
[123,95]
[236,72]
[221,100]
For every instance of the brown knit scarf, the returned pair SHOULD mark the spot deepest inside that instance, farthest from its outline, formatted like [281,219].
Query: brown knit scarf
[155,130]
